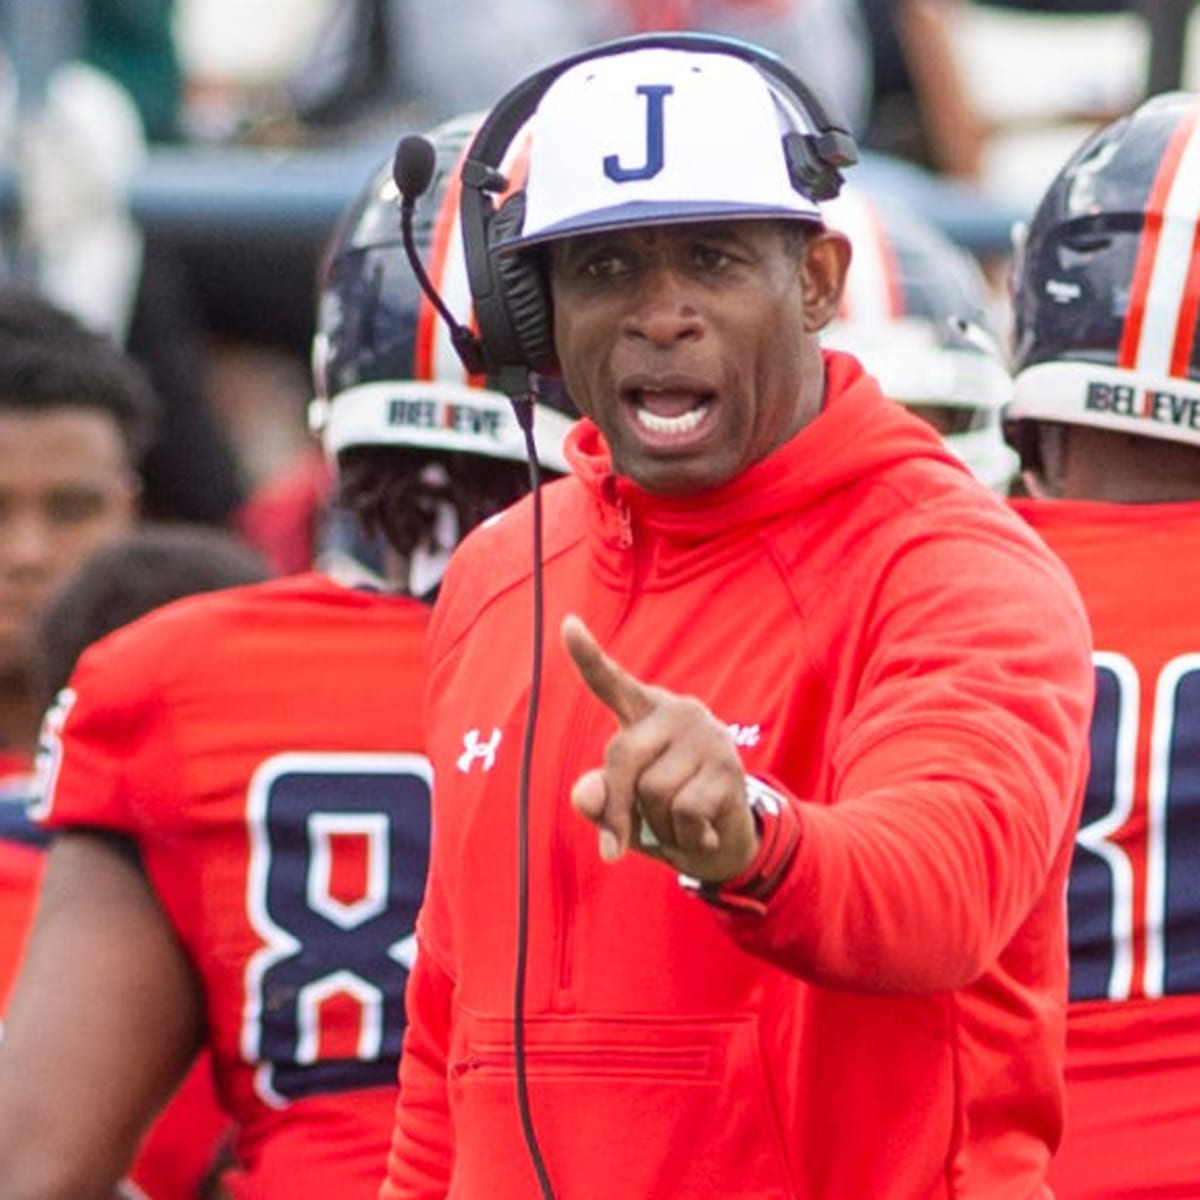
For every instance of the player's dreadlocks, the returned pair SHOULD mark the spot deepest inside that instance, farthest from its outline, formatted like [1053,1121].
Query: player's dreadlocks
[399,492]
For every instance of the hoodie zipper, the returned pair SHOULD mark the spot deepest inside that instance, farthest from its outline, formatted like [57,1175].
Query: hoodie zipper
[579,728]
[625,519]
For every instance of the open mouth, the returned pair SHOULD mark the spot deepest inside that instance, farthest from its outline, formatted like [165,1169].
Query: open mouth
[669,412]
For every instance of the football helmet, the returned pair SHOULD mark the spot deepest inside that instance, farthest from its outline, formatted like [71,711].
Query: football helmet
[388,379]
[384,368]
[917,313]
[1106,284]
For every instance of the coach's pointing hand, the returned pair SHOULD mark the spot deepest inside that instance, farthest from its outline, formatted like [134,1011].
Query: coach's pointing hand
[671,766]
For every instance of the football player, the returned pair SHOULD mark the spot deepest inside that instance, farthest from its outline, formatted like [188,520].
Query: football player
[241,792]
[149,566]
[76,416]
[1106,416]
[917,313]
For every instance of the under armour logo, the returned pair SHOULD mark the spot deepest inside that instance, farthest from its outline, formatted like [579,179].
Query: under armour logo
[474,748]
[613,168]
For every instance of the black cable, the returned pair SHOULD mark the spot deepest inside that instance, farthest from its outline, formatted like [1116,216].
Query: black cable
[412,170]
[465,343]
[524,409]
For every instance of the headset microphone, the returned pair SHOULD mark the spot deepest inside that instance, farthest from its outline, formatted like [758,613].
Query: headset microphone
[412,169]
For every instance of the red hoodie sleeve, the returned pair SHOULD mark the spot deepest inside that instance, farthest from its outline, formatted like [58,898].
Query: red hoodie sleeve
[954,782]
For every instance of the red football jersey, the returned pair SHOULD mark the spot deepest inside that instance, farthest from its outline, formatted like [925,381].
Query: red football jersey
[20,875]
[181,1149]
[1133,1065]
[21,866]
[263,748]
[178,1151]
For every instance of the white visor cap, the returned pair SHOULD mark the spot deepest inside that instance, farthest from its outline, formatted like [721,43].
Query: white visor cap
[656,137]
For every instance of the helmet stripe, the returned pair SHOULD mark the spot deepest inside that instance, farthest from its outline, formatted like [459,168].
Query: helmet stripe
[1185,332]
[1162,301]
[429,359]
[873,290]
[452,281]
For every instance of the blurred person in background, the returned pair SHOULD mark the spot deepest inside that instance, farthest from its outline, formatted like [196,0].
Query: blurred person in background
[134,42]
[434,58]
[365,66]
[896,123]
[1106,416]
[826,42]
[1080,64]
[76,417]
[917,312]
[240,792]
[283,517]
[81,143]
[192,470]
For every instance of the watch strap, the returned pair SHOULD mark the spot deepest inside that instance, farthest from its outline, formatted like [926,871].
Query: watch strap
[779,838]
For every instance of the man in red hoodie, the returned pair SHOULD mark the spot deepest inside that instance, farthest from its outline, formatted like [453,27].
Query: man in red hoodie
[769,903]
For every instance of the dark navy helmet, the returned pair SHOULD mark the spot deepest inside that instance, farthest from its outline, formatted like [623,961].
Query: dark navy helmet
[1106,284]
[385,370]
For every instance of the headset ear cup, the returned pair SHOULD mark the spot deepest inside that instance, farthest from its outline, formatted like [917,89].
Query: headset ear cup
[524,290]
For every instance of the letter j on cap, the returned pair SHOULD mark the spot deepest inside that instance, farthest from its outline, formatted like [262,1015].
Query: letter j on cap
[655,94]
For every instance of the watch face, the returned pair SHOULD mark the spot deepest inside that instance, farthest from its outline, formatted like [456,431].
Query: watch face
[763,798]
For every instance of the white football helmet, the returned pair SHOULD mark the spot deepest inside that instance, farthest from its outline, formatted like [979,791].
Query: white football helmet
[917,313]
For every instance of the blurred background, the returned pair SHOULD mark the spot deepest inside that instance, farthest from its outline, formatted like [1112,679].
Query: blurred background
[170,170]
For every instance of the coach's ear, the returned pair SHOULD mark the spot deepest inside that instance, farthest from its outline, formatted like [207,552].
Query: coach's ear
[824,262]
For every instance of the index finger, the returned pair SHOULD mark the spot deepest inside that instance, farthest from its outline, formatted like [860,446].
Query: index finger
[608,681]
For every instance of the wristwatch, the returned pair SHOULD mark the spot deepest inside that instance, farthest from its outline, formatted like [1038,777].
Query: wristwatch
[779,830]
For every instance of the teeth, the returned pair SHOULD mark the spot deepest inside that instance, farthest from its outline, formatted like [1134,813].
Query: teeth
[684,423]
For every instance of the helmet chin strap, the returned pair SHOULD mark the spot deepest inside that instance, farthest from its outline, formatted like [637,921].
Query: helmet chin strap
[428,562]
[1048,475]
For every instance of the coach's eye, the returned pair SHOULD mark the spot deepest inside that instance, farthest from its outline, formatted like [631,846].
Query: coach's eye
[606,265]
[710,258]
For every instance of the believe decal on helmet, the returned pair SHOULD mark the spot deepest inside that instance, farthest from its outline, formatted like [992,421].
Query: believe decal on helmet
[437,415]
[1107,282]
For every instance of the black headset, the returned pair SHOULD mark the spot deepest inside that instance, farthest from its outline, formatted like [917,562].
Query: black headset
[511,302]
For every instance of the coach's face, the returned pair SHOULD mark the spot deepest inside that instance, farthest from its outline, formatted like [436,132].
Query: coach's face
[693,347]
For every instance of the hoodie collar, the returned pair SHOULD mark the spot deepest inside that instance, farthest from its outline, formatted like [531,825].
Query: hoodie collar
[857,433]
